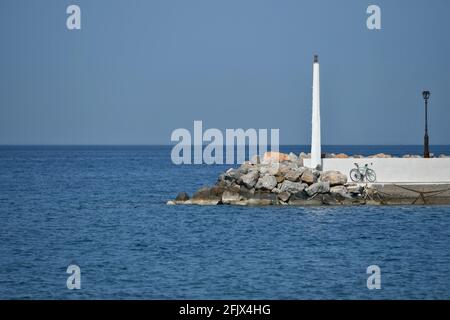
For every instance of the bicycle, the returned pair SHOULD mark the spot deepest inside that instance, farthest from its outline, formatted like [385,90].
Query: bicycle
[358,174]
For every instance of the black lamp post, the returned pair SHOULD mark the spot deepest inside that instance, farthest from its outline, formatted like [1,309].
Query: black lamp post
[426,148]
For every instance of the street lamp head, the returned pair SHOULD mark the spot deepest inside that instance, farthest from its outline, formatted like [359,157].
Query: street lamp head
[426,95]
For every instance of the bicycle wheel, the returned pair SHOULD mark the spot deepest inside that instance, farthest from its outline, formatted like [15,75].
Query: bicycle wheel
[371,176]
[355,175]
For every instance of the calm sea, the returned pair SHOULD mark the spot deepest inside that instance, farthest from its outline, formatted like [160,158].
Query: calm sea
[103,209]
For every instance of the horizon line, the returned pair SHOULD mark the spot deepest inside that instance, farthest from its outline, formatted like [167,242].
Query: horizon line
[193,145]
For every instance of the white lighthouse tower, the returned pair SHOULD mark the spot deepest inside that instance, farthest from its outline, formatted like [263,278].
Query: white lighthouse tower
[316,151]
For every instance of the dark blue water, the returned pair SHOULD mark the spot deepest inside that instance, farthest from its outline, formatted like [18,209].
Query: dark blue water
[103,208]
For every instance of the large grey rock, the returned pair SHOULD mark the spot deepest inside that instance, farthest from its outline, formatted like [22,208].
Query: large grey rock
[280,178]
[303,155]
[250,179]
[274,157]
[293,157]
[206,196]
[266,182]
[380,155]
[355,189]
[257,198]
[206,193]
[308,176]
[202,193]
[231,197]
[245,167]
[284,196]
[318,187]
[317,174]
[341,156]
[302,199]
[284,168]
[292,187]
[181,197]
[233,175]
[215,192]
[340,191]
[262,198]
[294,174]
[330,199]
[299,196]
[246,193]
[221,181]
[269,169]
[335,178]
[276,190]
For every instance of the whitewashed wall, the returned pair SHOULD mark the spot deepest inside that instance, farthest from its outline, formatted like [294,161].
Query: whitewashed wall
[395,170]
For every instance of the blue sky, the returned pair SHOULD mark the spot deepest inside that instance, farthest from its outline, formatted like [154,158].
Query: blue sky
[137,70]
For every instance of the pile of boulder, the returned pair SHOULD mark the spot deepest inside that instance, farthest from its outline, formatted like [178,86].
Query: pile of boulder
[276,179]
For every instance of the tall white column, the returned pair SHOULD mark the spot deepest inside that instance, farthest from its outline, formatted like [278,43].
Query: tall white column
[315,132]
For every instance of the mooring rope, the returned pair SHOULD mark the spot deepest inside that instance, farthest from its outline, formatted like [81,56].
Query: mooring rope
[422,194]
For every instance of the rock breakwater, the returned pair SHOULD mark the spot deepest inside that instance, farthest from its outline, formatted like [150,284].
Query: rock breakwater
[277,179]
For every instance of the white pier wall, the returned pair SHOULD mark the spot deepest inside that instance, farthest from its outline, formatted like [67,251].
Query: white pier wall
[395,170]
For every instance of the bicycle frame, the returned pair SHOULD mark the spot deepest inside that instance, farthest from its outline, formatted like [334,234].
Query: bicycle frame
[362,170]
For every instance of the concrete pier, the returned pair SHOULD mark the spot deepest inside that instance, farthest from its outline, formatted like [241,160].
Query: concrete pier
[400,181]
[410,194]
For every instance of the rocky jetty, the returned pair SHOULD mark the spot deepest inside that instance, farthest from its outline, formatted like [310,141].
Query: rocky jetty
[277,179]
